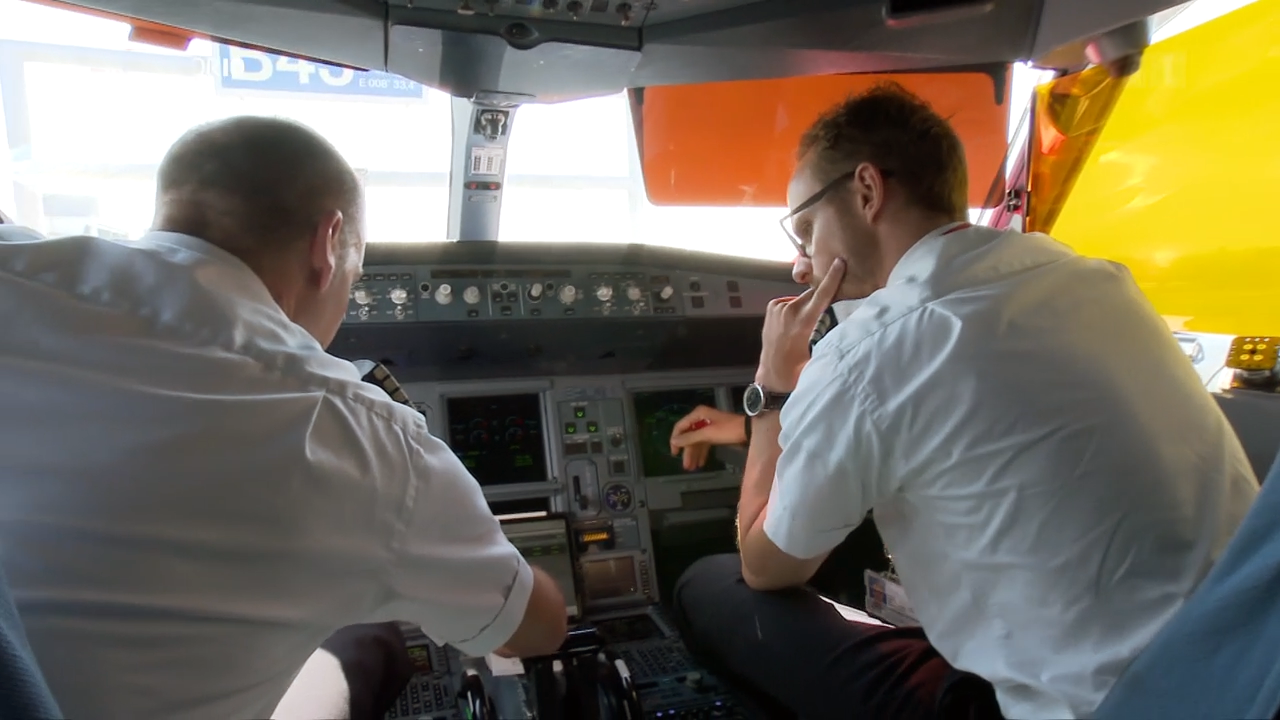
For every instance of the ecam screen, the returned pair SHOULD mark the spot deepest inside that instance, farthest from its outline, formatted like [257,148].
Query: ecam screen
[499,437]
[545,544]
[656,414]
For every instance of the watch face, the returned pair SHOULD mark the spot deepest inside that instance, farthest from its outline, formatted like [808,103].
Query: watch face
[753,400]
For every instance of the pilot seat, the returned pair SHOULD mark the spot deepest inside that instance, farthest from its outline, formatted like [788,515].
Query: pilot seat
[1217,657]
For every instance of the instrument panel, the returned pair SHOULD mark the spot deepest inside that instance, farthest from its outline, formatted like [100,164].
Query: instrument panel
[594,449]
[453,283]
[557,385]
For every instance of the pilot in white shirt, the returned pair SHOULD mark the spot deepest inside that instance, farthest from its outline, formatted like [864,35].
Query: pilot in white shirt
[194,494]
[1043,463]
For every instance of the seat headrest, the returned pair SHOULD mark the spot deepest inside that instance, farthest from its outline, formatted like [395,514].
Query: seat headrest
[1255,416]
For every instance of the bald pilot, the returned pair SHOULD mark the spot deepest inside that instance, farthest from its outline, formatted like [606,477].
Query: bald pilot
[197,495]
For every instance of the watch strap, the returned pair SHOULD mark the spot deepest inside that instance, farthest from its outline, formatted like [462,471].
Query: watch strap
[773,401]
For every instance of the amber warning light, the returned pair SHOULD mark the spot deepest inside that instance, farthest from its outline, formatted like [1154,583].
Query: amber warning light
[1256,354]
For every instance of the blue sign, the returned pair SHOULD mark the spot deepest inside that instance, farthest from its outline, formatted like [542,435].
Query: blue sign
[244,69]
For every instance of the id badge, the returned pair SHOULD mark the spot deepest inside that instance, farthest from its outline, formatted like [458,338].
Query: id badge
[887,600]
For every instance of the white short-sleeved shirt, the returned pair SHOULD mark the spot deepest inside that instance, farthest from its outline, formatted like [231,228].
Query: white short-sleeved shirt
[1051,477]
[193,494]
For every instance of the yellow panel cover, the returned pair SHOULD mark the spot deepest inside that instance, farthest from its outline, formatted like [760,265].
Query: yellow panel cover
[1180,172]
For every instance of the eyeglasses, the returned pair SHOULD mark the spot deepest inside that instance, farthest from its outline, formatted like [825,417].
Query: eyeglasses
[787,222]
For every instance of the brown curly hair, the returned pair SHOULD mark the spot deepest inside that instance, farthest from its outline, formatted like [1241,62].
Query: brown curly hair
[893,129]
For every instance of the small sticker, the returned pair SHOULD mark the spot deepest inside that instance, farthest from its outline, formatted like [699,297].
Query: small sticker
[887,600]
[487,160]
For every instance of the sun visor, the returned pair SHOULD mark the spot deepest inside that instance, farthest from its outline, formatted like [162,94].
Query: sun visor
[734,143]
[1171,171]
[140,31]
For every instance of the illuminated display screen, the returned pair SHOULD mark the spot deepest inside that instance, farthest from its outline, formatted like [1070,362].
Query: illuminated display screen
[544,544]
[499,438]
[656,414]
[420,656]
[610,578]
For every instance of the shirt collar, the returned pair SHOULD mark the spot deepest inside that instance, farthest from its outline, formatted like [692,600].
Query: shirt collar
[247,284]
[920,260]
[832,316]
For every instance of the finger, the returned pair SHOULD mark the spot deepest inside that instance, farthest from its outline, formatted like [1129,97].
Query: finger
[695,420]
[700,454]
[693,437]
[826,292]
[695,456]
[687,423]
[815,301]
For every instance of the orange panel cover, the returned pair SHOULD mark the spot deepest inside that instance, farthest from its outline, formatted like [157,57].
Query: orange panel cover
[733,143]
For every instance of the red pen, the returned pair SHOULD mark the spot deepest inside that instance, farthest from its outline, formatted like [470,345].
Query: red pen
[699,425]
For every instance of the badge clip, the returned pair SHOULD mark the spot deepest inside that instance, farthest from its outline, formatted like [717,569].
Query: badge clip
[887,600]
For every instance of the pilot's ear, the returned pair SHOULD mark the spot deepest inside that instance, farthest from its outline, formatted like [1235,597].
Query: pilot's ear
[326,248]
[868,188]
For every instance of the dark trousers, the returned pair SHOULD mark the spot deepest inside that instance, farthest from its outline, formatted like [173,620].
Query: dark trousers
[376,665]
[789,654]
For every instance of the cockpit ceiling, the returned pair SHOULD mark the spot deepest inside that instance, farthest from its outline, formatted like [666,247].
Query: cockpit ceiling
[553,50]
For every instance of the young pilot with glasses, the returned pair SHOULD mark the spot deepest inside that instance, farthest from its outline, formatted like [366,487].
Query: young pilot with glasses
[1047,507]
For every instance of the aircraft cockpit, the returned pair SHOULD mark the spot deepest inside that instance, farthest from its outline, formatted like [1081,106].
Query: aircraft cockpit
[555,369]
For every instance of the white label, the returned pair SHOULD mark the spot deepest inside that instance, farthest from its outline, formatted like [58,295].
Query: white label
[501,666]
[853,614]
[487,161]
[887,600]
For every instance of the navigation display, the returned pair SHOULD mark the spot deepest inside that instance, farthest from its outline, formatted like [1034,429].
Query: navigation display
[544,544]
[656,414]
[499,437]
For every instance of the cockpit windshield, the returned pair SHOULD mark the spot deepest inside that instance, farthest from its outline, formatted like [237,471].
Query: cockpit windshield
[88,115]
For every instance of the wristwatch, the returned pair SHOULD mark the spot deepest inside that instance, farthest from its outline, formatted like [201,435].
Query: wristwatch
[757,400]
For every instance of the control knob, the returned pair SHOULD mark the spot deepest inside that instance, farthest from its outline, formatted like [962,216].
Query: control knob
[398,295]
[444,294]
[604,293]
[568,294]
[535,292]
[634,293]
[471,295]
[362,296]
[666,292]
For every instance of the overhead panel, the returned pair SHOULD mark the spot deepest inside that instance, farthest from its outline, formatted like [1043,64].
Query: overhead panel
[734,143]
[624,13]
[466,65]
[554,50]
[1177,182]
